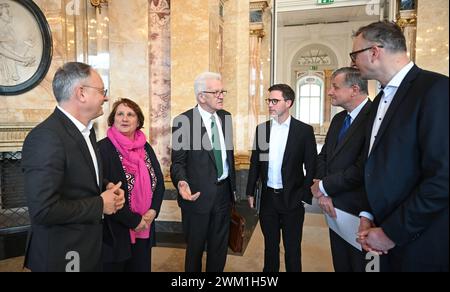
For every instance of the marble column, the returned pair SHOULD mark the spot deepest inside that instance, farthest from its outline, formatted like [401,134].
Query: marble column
[256,87]
[160,81]
[407,20]
[259,75]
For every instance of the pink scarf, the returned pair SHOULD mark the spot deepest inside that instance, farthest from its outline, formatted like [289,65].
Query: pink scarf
[133,153]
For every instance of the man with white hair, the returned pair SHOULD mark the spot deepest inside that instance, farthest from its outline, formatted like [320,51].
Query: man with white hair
[203,172]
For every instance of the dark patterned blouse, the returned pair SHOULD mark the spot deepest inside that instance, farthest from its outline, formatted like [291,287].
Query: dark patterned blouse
[131,179]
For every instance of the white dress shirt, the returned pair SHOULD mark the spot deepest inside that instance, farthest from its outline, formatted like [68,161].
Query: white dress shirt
[389,92]
[278,139]
[353,115]
[206,117]
[86,132]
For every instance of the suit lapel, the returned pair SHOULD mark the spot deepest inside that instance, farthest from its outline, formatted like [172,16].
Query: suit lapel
[205,139]
[265,162]
[353,128]
[289,143]
[228,148]
[93,139]
[372,116]
[334,134]
[398,99]
[73,131]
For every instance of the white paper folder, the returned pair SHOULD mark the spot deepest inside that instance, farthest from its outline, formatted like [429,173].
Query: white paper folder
[346,226]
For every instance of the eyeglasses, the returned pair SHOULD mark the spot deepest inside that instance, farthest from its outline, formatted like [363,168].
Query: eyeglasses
[102,91]
[354,54]
[217,93]
[272,101]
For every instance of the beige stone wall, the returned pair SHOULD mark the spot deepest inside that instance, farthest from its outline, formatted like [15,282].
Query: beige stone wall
[129,73]
[236,70]
[190,50]
[432,36]
[215,36]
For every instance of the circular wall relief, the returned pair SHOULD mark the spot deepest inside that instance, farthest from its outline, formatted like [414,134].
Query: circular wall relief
[25,46]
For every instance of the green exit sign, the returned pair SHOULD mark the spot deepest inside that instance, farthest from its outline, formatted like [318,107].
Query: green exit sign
[321,2]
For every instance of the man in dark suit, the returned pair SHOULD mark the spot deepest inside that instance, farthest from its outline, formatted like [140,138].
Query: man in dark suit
[283,147]
[406,171]
[340,169]
[63,178]
[203,172]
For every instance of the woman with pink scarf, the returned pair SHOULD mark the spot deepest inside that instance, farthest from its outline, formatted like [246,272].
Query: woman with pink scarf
[129,235]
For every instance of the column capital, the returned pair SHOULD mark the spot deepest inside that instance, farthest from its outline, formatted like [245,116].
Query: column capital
[259,5]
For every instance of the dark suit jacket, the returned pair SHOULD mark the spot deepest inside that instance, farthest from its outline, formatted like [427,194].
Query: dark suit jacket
[406,174]
[193,158]
[116,235]
[301,150]
[63,197]
[341,166]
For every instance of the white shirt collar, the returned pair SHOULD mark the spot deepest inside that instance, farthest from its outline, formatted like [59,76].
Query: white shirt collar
[206,116]
[286,123]
[398,78]
[354,114]
[82,128]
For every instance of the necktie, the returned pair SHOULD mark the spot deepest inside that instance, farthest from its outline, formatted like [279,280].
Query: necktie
[345,127]
[217,150]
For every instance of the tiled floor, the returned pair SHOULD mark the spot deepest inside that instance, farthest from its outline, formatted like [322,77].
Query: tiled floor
[315,251]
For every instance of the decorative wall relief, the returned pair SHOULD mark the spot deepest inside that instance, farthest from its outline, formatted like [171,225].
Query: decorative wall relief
[25,46]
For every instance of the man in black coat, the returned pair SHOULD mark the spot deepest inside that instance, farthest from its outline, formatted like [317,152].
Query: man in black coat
[283,147]
[406,171]
[63,178]
[340,169]
[203,172]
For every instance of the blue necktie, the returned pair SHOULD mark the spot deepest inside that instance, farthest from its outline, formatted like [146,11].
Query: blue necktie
[345,127]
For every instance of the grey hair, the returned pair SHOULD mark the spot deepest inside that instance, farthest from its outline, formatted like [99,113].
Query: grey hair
[352,77]
[200,81]
[385,33]
[67,78]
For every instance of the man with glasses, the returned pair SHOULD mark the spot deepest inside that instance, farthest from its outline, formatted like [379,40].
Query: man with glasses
[203,172]
[283,147]
[406,169]
[63,178]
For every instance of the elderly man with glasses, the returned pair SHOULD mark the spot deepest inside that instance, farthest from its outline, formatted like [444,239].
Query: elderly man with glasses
[203,172]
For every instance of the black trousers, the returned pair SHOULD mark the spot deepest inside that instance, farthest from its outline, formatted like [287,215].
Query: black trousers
[288,223]
[346,258]
[140,261]
[210,229]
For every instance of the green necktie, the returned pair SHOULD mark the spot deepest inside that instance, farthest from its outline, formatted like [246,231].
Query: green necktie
[217,150]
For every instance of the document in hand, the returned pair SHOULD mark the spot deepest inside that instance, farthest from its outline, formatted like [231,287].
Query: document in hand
[346,226]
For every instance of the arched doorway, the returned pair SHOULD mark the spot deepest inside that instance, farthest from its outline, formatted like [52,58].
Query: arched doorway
[310,70]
